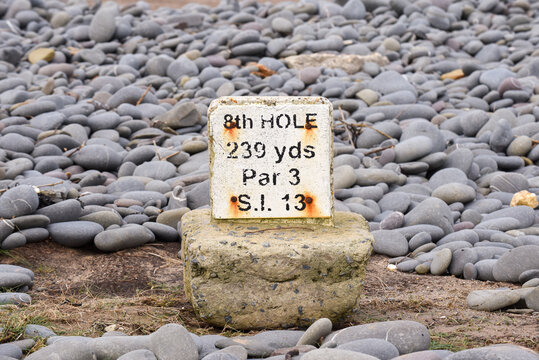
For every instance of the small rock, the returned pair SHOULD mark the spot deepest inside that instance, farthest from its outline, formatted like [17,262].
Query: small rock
[320,328]
[41,54]
[125,237]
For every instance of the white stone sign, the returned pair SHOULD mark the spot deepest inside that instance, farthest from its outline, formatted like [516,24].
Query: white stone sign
[271,157]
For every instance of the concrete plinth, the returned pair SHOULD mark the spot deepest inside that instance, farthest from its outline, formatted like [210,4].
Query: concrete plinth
[252,276]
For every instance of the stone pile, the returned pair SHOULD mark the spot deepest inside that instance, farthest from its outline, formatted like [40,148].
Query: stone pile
[397,340]
[103,120]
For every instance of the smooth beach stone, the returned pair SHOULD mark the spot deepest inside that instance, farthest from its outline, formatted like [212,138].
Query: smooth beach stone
[469,272]
[129,95]
[462,235]
[520,146]
[484,268]
[16,142]
[514,262]
[28,221]
[162,232]
[485,205]
[67,210]
[524,276]
[413,148]
[38,331]
[493,78]
[122,238]
[103,218]
[125,184]
[18,201]
[524,215]
[234,352]
[206,343]
[74,233]
[454,192]
[180,116]
[390,243]
[15,298]
[364,192]
[145,197]
[499,224]
[173,339]
[263,343]
[10,351]
[368,177]
[419,239]
[13,241]
[396,201]
[336,354]
[392,221]
[491,300]
[447,176]
[13,280]
[319,329]
[103,25]
[407,266]
[98,157]
[501,351]
[441,262]
[172,217]
[509,182]
[16,269]
[431,211]
[141,354]
[34,108]
[435,232]
[34,235]
[502,136]
[74,348]
[159,170]
[378,348]
[532,299]
[406,336]
[343,177]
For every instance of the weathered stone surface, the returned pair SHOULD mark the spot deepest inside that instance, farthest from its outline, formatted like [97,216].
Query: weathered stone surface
[349,63]
[293,275]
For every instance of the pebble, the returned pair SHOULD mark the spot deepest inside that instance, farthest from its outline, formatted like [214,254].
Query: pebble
[454,193]
[413,149]
[378,348]
[440,145]
[390,243]
[74,233]
[103,25]
[122,238]
[319,329]
[491,300]
[441,261]
[514,262]
[18,201]
[431,211]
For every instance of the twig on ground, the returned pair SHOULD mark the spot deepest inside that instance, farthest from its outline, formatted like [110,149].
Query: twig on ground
[144,95]
[378,149]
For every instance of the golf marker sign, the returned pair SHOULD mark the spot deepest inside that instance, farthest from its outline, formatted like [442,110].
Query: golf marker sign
[271,158]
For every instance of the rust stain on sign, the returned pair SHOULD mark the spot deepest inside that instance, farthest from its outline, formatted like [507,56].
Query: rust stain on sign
[271,158]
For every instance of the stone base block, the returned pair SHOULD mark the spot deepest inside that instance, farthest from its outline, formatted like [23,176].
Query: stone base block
[252,276]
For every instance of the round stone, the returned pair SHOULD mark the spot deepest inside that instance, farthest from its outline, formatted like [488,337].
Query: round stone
[125,237]
[390,243]
[74,233]
[18,201]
